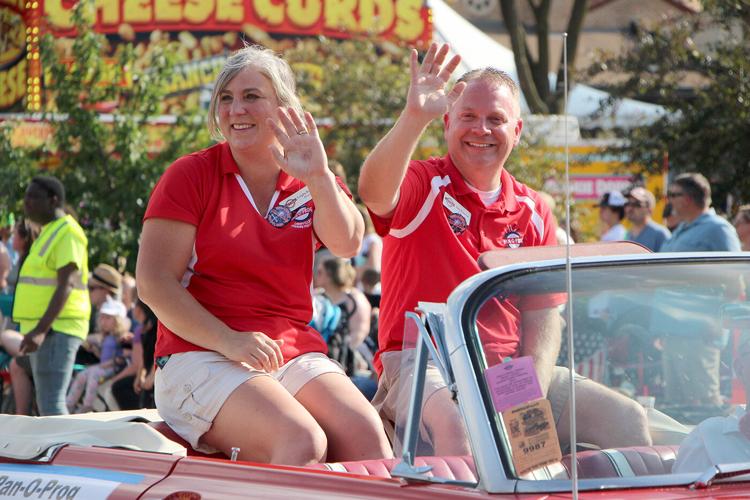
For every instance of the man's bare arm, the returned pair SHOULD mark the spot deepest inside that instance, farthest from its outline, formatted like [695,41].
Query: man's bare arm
[385,167]
[542,334]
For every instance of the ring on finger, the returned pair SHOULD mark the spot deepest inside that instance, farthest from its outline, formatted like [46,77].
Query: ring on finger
[301,132]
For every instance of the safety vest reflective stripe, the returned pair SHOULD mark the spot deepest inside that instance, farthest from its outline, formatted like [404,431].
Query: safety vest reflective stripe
[51,238]
[78,285]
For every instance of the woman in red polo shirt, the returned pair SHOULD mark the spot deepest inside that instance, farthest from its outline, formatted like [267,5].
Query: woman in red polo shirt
[226,262]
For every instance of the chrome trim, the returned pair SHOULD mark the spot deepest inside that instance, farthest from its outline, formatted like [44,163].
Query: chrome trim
[428,342]
[49,454]
[489,466]
[405,468]
[435,316]
[605,483]
[475,281]
[720,472]
[705,479]
[487,459]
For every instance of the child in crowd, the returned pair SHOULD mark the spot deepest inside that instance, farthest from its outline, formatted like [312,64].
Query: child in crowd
[113,325]
[143,384]
[133,387]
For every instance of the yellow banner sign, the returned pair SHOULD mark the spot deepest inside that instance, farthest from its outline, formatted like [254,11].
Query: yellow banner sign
[400,20]
[206,29]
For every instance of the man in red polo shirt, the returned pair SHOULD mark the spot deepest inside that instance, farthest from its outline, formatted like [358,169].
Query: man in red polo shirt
[438,216]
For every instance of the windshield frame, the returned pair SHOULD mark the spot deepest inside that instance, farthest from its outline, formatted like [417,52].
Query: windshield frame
[492,456]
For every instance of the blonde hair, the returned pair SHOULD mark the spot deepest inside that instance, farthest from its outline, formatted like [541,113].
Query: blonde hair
[268,64]
[492,75]
[121,325]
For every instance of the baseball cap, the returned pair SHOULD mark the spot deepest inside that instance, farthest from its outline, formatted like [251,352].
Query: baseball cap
[612,199]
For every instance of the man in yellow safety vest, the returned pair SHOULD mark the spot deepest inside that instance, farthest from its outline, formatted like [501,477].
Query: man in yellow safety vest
[51,304]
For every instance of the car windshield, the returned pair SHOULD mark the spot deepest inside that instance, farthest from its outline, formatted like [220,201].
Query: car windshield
[660,348]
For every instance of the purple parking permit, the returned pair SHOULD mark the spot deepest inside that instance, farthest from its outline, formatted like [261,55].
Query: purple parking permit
[513,383]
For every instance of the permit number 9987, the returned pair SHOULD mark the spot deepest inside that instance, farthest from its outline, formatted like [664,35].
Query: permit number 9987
[534,447]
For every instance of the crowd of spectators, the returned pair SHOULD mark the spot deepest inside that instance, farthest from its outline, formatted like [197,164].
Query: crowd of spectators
[85,341]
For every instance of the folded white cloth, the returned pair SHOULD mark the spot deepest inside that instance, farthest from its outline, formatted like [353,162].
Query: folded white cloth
[27,438]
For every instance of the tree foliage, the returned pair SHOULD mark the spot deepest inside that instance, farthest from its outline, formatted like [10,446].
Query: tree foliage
[707,129]
[356,88]
[107,163]
[533,73]
[18,169]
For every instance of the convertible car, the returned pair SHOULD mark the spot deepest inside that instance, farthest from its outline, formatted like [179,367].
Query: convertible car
[661,329]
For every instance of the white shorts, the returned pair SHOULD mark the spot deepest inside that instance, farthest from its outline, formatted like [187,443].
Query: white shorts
[191,388]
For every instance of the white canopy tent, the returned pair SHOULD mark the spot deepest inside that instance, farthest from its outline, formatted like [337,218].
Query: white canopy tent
[479,50]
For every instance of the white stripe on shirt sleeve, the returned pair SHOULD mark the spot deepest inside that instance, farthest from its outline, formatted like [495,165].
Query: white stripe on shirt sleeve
[536,219]
[435,184]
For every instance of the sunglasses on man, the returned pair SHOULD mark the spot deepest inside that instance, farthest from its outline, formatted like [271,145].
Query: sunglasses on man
[635,204]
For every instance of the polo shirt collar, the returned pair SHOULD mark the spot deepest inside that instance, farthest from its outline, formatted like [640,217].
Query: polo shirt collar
[228,165]
[457,180]
[684,226]
[506,201]
[285,182]
[698,220]
[508,194]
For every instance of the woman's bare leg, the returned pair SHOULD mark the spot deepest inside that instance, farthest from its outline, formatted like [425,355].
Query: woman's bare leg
[11,341]
[268,425]
[353,427]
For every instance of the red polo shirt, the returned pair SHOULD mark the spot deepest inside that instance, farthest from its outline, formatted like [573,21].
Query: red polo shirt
[433,239]
[251,272]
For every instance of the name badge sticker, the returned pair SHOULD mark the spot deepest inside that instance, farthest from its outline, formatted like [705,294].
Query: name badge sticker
[533,438]
[459,218]
[513,383]
[296,200]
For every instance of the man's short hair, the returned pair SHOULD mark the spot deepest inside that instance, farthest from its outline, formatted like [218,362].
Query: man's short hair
[696,187]
[490,74]
[52,186]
